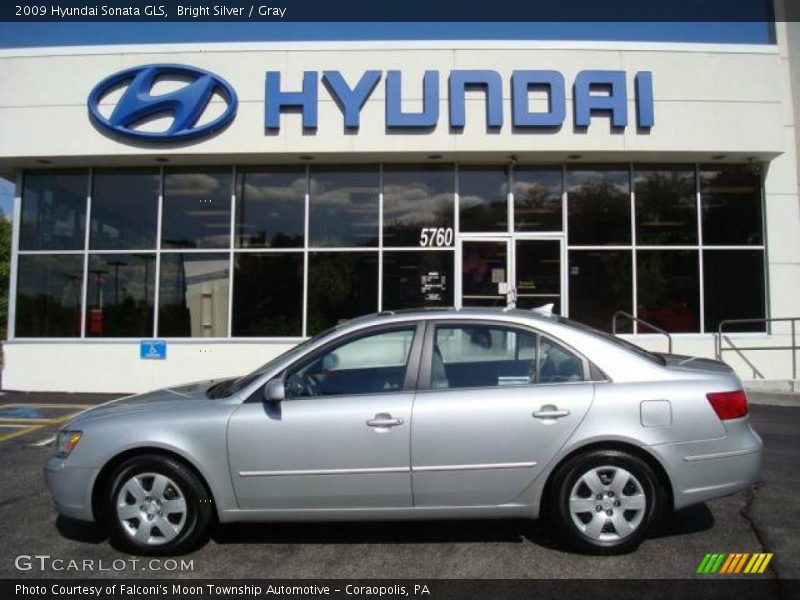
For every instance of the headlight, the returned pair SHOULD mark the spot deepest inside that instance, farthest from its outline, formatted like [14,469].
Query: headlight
[66,442]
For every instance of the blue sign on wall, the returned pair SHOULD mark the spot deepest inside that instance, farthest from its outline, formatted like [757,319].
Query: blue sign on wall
[186,105]
[153,349]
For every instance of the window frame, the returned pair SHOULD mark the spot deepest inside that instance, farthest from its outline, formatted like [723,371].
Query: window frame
[412,364]
[426,360]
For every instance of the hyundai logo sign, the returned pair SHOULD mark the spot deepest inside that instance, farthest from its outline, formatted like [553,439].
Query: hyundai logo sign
[186,105]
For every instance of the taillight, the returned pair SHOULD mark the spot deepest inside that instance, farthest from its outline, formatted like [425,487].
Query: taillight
[729,405]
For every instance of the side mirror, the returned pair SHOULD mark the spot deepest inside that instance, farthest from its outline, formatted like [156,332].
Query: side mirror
[274,391]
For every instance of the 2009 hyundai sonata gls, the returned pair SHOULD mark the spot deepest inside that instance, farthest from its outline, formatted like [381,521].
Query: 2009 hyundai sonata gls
[418,415]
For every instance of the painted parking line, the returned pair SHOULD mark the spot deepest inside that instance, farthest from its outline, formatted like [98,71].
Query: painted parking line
[11,430]
[44,414]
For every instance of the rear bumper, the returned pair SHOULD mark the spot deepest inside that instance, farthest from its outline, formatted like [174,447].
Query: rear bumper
[70,488]
[708,469]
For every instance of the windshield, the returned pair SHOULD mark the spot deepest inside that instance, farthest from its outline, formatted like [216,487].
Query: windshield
[614,340]
[229,387]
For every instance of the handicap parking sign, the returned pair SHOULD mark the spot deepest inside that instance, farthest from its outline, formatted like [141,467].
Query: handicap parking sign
[153,349]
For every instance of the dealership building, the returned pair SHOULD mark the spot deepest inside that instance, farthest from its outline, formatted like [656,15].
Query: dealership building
[185,212]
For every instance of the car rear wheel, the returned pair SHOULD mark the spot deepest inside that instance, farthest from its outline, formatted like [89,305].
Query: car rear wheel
[155,505]
[604,501]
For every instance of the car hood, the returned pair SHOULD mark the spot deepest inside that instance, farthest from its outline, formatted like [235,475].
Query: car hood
[182,397]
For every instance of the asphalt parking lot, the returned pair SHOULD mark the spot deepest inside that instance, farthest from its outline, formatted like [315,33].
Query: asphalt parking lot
[761,520]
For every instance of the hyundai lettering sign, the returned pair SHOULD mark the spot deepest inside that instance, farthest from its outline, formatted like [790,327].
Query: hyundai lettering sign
[595,92]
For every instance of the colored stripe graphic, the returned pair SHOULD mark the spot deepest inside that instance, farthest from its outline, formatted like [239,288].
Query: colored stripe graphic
[703,563]
[768,557]
[728,562]
[734,563]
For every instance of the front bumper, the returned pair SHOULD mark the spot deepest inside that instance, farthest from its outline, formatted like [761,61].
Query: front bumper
[708,469]
[70,487]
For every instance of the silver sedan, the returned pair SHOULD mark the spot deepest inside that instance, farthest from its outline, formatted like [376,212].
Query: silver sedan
[418,415]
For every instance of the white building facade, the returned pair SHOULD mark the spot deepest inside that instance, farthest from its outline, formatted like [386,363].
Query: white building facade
[299,184]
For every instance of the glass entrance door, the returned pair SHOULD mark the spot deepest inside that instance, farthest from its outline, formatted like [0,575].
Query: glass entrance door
[484,271]
[538,272]
[496,271]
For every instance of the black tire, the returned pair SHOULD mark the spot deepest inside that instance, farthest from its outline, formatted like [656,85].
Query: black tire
[568,475]
[198,506]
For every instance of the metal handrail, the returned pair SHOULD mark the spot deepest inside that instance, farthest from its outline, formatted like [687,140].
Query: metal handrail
[622,313]
[720,337]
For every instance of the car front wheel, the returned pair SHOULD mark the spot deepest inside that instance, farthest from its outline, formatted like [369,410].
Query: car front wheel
[155,505]
[604,501]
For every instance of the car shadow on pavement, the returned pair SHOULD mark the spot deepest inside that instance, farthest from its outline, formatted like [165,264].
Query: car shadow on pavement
[378,532]
[686,521]
[80,531]
[692,519]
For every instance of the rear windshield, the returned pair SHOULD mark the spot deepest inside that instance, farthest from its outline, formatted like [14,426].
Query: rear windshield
[617,341]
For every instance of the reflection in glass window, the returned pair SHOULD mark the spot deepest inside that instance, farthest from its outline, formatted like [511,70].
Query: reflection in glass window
[119,296]
[416,197]
[730,197]
[599,206]
[341,285]
[193,295]
[666,205]
[343,206]
[734,288]
[49,296]
[124,209]
[600,283]
[537,199]
[538,273]
[558,365]
[668,286]
[371,364]
[270,207]
[197,208]
[467,356]
[413,279]
[482,198]
[54,210]
[268,294]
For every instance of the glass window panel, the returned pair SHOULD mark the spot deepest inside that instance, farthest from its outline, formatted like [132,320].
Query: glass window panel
[371,364]
[124,209]
[49,296]
[193,295]
[557,365]
[54,210]
[600,283]
[466,356]
[268,294]
[343,206]
[197,208]
[668,286]
[417,197]
[341,285]
[413,279]
[270,207]
[599,206]
[666,205]
[119,297]
[484,267]
[538,273]
[482,198]
[537,199]
[734,288]
[731,203]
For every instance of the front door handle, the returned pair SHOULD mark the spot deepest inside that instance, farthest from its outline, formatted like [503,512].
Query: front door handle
[550,411]
[384,420]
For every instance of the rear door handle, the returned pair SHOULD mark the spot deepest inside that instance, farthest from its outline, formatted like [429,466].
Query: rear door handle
[384,420]
[550,411]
